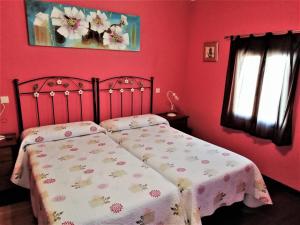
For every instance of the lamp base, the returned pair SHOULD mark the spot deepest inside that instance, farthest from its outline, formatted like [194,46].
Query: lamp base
[171,114]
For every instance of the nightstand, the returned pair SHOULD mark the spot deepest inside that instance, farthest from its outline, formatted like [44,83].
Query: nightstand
[9,192]
[179,122]
[8,150]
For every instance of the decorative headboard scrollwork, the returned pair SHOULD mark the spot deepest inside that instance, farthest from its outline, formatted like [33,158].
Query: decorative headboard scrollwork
[134,86]
[56,86]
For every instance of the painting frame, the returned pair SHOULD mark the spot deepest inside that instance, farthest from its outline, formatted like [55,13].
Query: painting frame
[210,51]
[52,24]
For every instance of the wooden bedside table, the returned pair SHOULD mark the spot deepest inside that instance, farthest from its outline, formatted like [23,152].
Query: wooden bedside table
[9,192]
[179,122]
[8,150]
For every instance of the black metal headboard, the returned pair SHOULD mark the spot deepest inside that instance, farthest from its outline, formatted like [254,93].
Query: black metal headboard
[129,92]
[71,91]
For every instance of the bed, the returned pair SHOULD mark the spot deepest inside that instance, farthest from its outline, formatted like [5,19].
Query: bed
[77,174]
[167,177]
[86,178]
[207,176]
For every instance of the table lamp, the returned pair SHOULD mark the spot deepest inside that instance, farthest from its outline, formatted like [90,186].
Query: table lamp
[171,95]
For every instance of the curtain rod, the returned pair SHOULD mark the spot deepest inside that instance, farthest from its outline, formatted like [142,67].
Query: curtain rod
[262,34]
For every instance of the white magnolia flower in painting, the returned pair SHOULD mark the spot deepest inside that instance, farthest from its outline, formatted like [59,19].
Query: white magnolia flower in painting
[71,22]
[116,39]
[98,21]
[123,21]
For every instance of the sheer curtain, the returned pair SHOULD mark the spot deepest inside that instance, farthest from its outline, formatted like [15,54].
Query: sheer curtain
[260,86]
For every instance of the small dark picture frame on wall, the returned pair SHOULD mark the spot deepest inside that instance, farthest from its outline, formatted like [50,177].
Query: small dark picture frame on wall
[210,51]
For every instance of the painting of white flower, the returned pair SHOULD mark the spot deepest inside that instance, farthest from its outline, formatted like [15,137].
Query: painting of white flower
[67,26]
[71,22]
[98,21]
[116,39]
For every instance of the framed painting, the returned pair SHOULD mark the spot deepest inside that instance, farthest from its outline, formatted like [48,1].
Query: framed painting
[58,25]
[210,51]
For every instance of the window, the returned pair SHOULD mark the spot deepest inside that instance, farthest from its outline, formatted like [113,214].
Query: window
[260,86]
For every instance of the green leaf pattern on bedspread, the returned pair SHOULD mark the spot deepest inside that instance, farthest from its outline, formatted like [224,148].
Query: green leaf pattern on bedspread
[206,175]
[92,180]
[50,133]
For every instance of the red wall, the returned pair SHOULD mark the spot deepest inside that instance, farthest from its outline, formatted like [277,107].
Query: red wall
[172,36]
[162,55]
[204,83]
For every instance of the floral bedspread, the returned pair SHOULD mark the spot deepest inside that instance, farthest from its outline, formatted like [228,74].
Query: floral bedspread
[207,175]
[93,180]
[47,133]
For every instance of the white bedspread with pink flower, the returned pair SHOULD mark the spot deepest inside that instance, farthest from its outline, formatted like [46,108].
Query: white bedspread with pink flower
[207,175]
[90,179]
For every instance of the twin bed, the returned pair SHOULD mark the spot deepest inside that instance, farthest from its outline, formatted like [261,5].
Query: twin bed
[130,170]
[78,175]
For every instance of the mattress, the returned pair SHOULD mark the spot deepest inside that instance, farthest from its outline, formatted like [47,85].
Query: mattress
[207,175]
[90,179]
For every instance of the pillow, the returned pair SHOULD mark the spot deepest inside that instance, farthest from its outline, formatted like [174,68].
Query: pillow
[59,131]
[132,122]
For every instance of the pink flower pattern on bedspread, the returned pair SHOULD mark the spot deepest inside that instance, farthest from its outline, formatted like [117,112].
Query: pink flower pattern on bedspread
[101,190]
[207,175]
[45,134]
